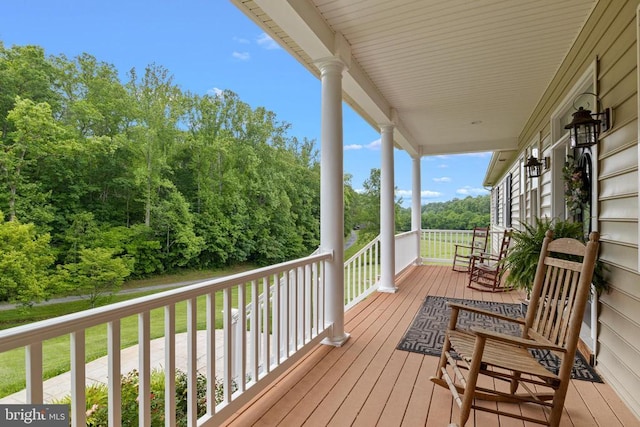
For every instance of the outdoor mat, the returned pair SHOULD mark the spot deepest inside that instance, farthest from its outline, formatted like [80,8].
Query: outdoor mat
[426,333]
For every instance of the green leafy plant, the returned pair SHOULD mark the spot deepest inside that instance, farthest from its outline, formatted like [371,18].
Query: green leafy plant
[522,260]
[97,402]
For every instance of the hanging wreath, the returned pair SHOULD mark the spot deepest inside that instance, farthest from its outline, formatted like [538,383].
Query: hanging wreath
[576,190]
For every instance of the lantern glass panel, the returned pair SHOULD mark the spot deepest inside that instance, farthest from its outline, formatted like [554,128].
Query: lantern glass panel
[584,135]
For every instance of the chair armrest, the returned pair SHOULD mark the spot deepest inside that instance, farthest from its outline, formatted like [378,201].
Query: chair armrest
[510,339]
[458,306]
[457,245]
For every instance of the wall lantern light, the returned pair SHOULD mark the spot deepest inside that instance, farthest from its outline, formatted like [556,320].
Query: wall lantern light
[586,126]
[534,166]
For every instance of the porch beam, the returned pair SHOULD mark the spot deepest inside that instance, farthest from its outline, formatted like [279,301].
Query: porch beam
[331,196]
[387,213]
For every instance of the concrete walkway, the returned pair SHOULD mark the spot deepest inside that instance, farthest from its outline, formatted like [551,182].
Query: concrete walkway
[96,371]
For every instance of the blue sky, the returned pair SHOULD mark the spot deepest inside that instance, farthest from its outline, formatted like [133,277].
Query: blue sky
[210,45]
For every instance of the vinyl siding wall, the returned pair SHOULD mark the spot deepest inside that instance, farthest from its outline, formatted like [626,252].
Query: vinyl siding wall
[610,35]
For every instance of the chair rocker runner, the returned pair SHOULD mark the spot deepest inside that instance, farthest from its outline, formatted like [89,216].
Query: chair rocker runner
[464,253]
[560,291]
[486,269]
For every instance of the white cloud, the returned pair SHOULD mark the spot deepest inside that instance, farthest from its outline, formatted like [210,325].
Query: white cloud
[241,40]
[428,194]
[424,194]
[442,179]
[471,191]
[443,166]
[215,91]
[267,42]
[242,56]
[375,145]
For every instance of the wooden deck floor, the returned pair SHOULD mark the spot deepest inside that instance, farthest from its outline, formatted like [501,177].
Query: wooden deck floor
[368,382]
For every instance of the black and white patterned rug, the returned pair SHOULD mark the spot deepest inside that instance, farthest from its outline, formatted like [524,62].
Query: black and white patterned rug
[426,333]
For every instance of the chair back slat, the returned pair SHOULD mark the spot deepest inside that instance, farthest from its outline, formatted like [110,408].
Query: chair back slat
[563,263]
[558,333]
[538,324]
[554,306]
[571,298]
[479,239]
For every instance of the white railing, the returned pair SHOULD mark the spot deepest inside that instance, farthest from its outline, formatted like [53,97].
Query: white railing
[283,317]
[288,321]
[361,273]
[406,250]
[438,246]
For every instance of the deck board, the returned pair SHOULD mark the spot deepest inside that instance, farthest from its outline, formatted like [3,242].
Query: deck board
[369,382]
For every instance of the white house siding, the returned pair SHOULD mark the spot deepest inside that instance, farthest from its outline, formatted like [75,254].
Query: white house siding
[610,35]
[516,196]
[545,189]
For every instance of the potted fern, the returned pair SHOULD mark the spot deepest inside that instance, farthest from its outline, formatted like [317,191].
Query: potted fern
[522,259]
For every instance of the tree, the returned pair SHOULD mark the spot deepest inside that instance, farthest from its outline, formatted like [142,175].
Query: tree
[34,136]
[159,108]
[25,261]
[98,272]
[24,72]
[371,202]
[350,205]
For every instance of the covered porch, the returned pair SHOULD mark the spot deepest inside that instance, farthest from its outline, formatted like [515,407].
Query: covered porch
[368,381]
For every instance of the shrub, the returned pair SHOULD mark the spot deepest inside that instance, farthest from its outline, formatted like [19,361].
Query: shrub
[97,399]
[522,259]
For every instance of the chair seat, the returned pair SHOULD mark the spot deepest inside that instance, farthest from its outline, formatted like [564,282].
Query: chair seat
[487,267]
[499,354]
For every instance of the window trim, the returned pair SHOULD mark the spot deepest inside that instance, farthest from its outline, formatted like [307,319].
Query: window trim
[507,200]
[588,79]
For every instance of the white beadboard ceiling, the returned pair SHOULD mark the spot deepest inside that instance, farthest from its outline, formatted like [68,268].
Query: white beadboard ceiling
[454,76]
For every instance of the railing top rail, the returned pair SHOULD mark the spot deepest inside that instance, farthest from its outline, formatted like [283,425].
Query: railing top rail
[363,250]
[21,336]
[407,233]
[432,230]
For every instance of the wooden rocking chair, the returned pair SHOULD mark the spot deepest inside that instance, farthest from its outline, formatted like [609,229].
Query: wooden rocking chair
[464,253]
[486,269]
[560,292]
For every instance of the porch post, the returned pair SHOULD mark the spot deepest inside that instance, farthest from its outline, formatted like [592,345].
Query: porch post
[387,214]
[416,206]
[332,197]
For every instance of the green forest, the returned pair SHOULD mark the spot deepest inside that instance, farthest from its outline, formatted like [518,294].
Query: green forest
[103,180]
[457,214]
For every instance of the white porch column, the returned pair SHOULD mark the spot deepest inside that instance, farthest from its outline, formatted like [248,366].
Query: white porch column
[332,197]
[416,205]
[387,214]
